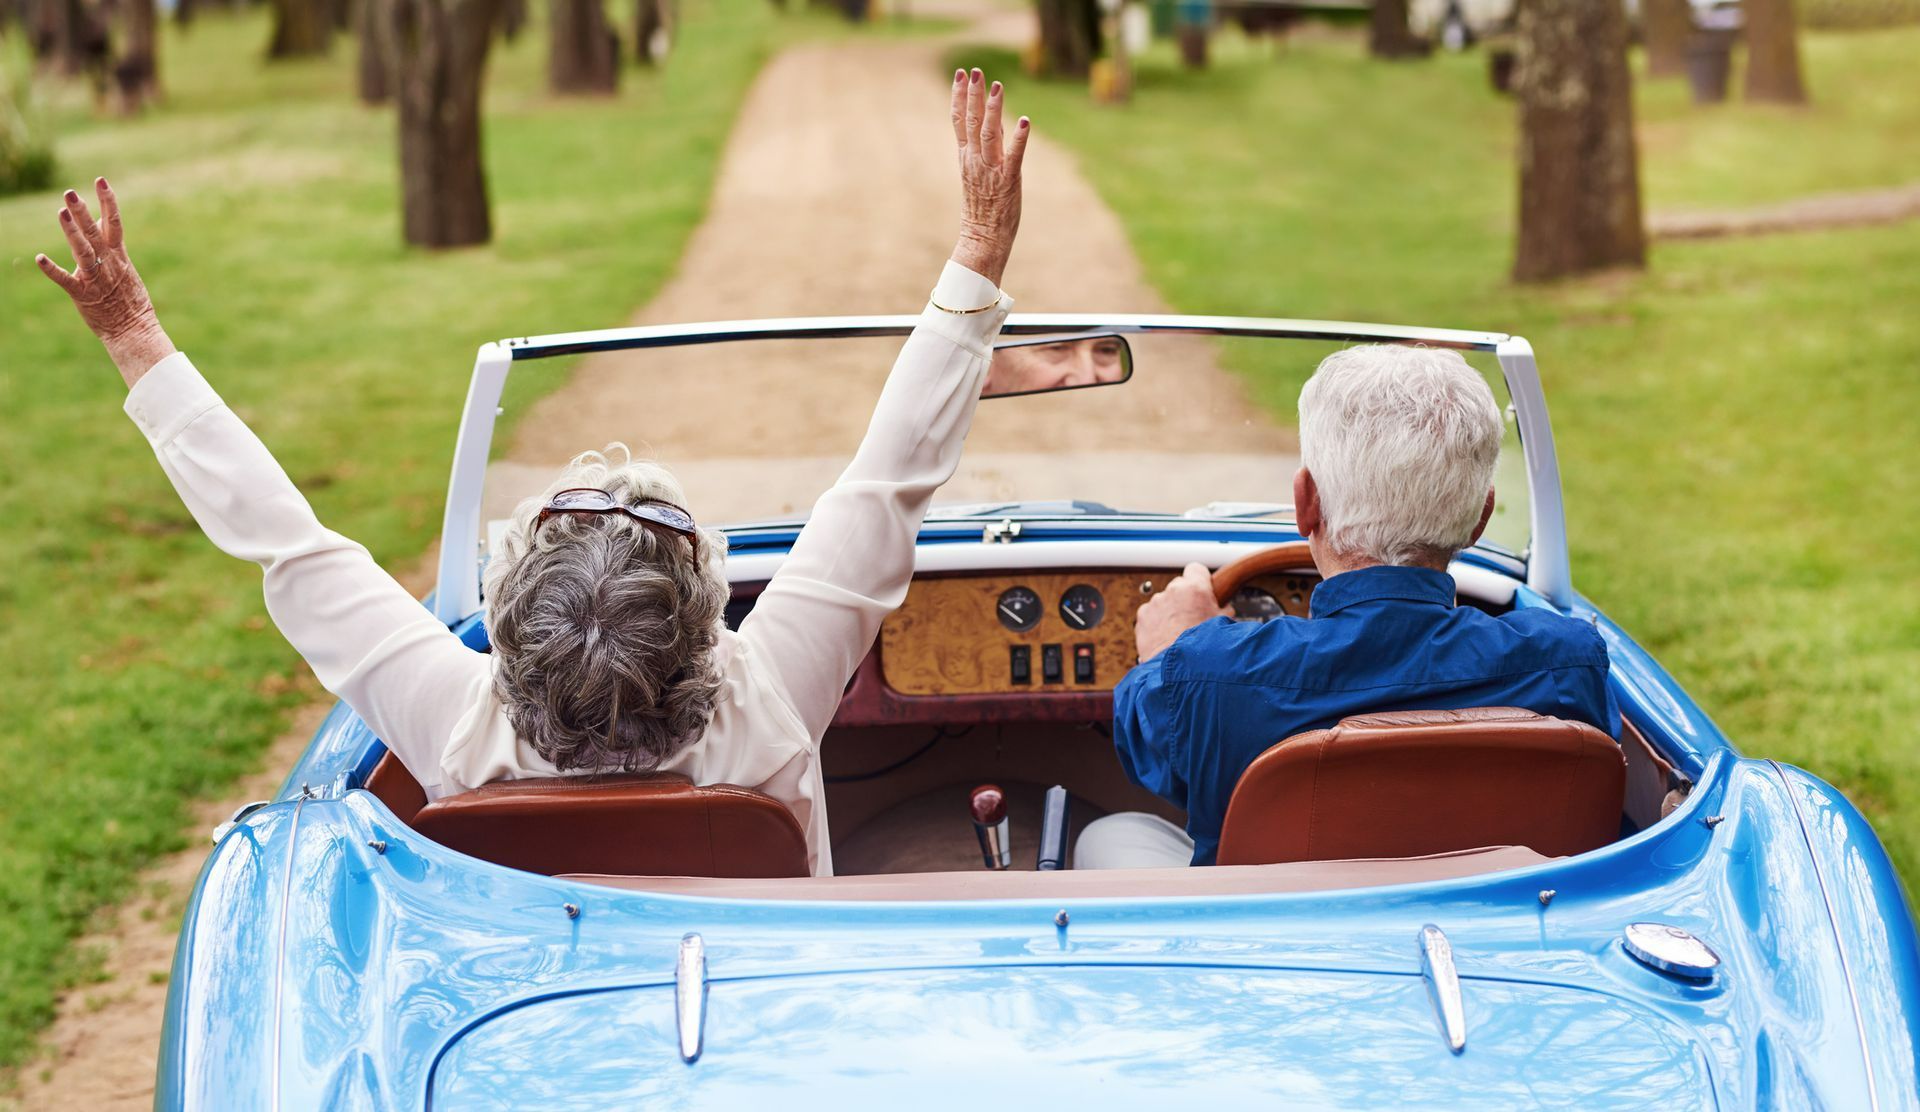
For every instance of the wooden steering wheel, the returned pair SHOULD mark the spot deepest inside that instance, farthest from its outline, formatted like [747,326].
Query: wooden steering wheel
[1292,556]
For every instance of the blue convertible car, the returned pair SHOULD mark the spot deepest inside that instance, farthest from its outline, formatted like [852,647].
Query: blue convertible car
[1478,909]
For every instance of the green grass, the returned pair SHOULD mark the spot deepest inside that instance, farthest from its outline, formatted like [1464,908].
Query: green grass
[1736,426]
[139,671]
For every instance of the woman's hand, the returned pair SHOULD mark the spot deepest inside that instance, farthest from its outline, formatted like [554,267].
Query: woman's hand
[105,287]
[989,175]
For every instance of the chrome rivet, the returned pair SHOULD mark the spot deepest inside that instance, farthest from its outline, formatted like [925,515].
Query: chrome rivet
[572,910]
[1547,895]
[377,845]
[1060,918]
[1712,821]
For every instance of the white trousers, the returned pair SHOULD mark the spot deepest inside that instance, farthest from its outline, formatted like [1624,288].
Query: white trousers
[1132,840]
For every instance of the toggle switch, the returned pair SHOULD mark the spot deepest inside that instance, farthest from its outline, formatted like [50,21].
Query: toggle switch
[1050,664]
[1083,664]
[1020,664]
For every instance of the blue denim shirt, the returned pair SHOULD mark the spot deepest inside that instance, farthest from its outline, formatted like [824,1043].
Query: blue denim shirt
[1189,721]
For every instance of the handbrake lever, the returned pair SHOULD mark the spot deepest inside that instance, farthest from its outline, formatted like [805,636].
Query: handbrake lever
[1054,816]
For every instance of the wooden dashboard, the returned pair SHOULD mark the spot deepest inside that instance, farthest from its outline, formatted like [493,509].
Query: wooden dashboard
[1065,632]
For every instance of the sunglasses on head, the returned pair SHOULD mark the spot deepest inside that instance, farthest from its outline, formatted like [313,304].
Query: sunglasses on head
[593,500]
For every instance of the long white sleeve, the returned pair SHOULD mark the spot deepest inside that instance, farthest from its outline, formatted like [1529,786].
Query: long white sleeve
[366,638]
[431,699]
[850,566]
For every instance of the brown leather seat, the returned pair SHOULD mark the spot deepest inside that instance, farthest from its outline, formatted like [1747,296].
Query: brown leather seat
[660,823]
[1412,783]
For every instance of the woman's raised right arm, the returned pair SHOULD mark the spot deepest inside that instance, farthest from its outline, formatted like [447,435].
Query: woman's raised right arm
[366,638]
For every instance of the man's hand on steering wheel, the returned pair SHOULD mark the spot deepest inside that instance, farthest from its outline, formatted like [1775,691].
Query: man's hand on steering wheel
[989,175]
[1183,604]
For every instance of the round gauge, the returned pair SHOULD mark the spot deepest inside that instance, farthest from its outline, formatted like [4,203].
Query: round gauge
[1251,604]
[1082,607]
[1018,609]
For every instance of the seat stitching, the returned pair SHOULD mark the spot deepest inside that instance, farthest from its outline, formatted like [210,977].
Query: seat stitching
[1313,796]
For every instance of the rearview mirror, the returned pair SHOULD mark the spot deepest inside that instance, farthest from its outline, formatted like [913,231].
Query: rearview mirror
[1044,364]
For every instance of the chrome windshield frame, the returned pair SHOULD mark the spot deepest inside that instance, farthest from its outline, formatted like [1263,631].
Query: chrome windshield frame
[457,593]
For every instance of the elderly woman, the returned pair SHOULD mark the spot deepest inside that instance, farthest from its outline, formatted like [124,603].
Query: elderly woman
[609,652]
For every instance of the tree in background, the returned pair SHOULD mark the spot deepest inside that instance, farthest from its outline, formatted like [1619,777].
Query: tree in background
[1069,37]
[583,52]
[69,36]
[1665,27]
[1579,171]
[1773,53]
[513,18]
[440,55]
[374,73]
[652,30]
[301,28]
[1388,35]
[137,72]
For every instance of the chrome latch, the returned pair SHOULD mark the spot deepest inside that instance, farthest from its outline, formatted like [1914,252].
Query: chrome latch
[239,816]
[1000,532]
[690,995]
[1443,986]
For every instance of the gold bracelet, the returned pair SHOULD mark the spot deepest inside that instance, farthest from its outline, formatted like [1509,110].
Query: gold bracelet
[964,312]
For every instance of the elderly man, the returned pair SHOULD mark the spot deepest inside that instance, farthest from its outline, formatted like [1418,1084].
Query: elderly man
[1397,450]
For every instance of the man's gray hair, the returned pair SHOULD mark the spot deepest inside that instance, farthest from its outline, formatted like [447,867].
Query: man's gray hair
[604,628]
[1401,443]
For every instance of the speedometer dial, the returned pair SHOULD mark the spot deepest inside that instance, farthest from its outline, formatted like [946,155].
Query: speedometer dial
[1251,604]
[1018,609]
[1082,607]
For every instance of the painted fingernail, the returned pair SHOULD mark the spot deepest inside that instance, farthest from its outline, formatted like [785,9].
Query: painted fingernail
[66,217]
[1023,123]
[996,87]
[72,197]
[959,76]
[976,77]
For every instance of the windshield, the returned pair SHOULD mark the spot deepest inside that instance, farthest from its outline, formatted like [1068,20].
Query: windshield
[1206,428]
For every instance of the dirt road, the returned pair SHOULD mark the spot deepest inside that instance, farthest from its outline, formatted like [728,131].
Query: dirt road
[837,195]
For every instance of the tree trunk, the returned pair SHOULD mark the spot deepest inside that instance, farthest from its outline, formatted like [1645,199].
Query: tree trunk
[1388,36]
[1579,172]
[69,37]
[1069,37]
[440,54]
[375,70]
[1773,53]
[301,28]
[1665,27]
[584,55]
[512,18]
[652,31]
[137,73]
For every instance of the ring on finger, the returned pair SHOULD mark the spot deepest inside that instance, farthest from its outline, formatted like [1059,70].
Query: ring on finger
[95,264]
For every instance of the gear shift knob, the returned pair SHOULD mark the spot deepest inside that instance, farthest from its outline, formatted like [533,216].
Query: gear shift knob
[989,805]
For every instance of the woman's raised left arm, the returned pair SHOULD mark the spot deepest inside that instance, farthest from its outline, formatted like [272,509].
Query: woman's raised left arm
[106,288]
[366,638]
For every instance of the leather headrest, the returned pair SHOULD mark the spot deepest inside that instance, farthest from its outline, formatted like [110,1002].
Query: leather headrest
[1408,783]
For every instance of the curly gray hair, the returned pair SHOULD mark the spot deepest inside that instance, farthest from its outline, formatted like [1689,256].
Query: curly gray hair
[604,628]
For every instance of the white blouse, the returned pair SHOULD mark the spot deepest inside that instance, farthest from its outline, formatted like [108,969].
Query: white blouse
[432,700]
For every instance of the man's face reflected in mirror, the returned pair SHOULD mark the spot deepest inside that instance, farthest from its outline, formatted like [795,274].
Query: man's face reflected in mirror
[1027,368]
